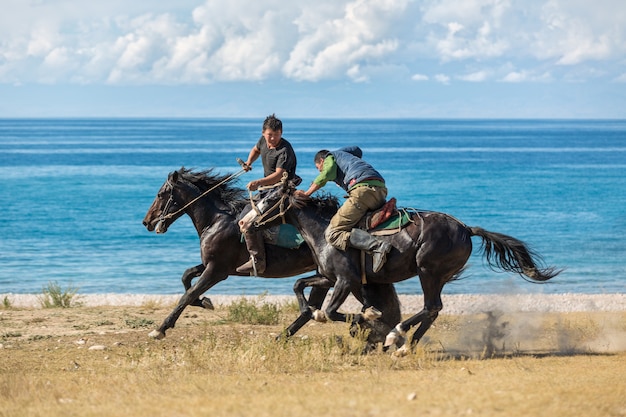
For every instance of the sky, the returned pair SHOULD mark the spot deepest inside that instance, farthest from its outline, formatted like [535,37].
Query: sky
[322,58]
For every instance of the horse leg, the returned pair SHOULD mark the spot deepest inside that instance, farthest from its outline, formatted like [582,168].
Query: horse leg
[384,298]
[188,276]
[320,286]
[205,282]
[426,317]
[341,292]
[316,281]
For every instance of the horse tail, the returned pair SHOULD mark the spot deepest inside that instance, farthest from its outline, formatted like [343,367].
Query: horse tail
[512,255]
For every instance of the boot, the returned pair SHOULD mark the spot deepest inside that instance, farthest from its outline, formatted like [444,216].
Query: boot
[256,247]
[360,239]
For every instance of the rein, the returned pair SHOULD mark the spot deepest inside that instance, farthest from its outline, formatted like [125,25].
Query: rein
[280,204]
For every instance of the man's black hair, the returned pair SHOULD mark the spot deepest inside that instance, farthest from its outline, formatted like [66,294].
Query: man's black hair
[272,122]
[320,155]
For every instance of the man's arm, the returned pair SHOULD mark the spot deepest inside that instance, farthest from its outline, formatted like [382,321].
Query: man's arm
[313,188]
[327,173]
[252,156]
[271,179]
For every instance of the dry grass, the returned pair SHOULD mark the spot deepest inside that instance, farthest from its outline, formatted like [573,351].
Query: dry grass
[99,362]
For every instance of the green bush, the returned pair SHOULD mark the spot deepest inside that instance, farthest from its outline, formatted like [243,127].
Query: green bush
[53,296]
[247,312]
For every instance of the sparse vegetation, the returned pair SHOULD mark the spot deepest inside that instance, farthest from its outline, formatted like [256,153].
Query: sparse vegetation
[138,322]
[6,303]
[248,312]
[54,296]
[49,369]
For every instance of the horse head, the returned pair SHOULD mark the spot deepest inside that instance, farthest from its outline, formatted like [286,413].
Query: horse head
[271,206]
[165,208]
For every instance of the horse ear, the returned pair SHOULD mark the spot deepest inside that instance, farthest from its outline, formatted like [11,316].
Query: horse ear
[173,177]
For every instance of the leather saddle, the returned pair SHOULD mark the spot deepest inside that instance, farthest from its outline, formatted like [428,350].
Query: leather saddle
[373,219]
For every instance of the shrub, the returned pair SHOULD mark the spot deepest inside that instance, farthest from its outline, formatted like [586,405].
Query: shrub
[53,296]
[247,312]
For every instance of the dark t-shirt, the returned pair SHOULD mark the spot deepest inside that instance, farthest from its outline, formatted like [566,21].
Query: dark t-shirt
[282,156]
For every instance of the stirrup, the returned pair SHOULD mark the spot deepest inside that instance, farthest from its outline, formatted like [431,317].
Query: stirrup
[379,256]
[253,260]
[249,269]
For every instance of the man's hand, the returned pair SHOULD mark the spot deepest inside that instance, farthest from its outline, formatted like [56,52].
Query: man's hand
[245,165]
[253,185]
[301,194]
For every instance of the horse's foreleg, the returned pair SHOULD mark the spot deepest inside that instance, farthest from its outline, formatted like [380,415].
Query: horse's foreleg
[320,286]
[318,283]
[205,282]
[188,276]
[341,292]
[424,326]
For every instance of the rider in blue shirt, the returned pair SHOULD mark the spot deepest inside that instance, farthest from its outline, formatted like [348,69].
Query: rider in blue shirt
[366,191]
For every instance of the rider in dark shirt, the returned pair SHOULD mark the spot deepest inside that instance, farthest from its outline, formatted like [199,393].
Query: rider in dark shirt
[277,156]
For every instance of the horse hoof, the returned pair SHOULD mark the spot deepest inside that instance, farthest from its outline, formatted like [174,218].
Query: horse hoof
[394,336]
[372,313]
[391,338]
[401,352]
[207,304]
[155,334]
[319,316]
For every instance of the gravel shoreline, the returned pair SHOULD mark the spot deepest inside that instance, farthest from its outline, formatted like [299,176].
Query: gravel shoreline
[455,304]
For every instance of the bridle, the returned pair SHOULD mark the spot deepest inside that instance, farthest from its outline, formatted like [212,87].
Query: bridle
[170,200]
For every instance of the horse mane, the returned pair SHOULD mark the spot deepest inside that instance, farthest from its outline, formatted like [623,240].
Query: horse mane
[234,197]
[325,203]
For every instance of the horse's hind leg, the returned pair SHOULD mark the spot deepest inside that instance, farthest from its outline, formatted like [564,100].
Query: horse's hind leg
[425,318]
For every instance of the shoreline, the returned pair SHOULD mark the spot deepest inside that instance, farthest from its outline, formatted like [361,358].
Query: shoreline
[455,304]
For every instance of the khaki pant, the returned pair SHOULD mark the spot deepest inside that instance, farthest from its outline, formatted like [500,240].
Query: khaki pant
[360,200]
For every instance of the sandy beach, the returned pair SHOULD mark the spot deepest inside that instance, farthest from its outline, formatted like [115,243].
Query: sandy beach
[453,304]
[489,355]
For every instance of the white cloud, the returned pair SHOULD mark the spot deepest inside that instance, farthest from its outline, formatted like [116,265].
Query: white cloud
[443,79]
[359,32]
[572,34]
[515,77]
[357,40]
[620,78]
[419,77]
[464,29]
[526,76]
[475,77]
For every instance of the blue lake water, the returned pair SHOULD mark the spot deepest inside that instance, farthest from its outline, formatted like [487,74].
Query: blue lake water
[73,194]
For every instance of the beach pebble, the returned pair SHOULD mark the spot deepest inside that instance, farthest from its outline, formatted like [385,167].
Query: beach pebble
[97,347]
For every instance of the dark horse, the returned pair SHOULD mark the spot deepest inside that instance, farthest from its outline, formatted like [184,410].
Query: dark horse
[214,205]
[434,246]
